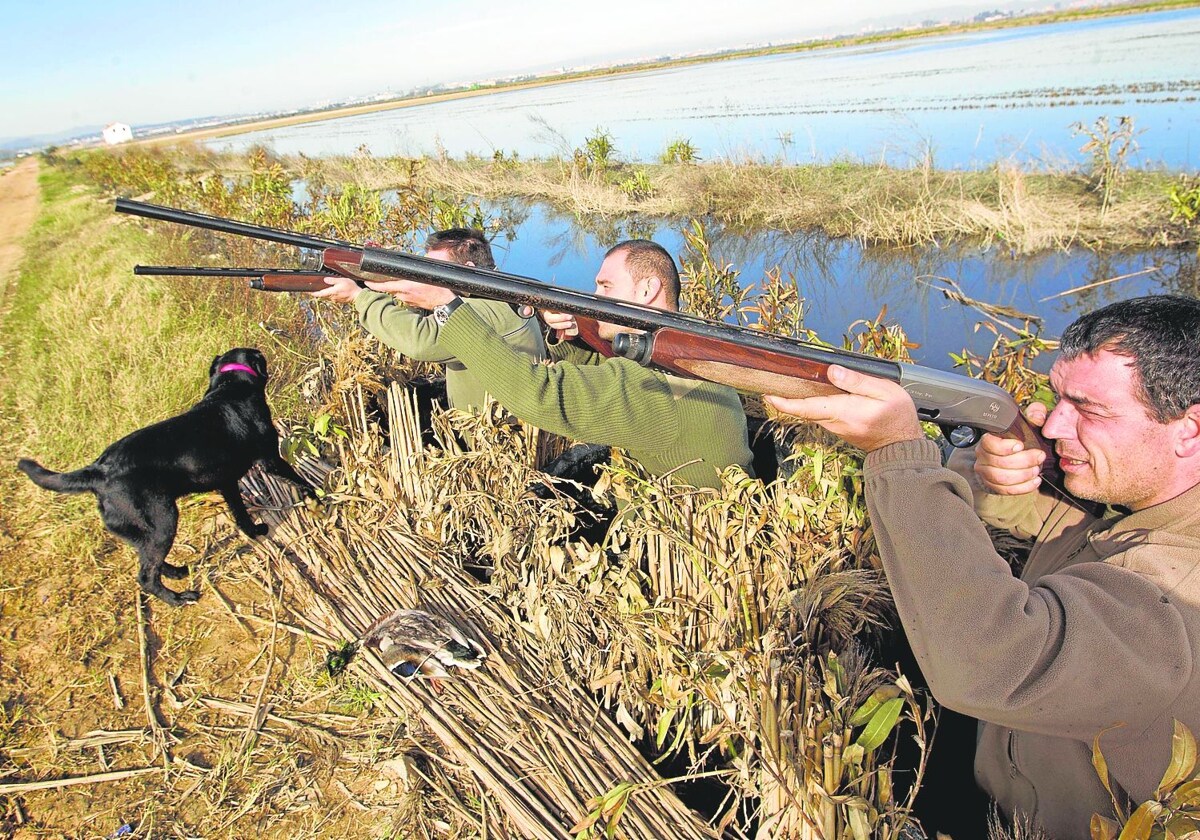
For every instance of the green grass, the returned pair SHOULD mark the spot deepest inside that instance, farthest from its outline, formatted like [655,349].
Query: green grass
[89,353]
[94,352]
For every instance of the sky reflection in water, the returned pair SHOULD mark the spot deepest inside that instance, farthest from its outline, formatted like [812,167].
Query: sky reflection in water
[842,282]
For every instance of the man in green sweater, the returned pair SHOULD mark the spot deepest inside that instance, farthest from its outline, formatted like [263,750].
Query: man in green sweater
[1100,636]
[669,424]
[417,335]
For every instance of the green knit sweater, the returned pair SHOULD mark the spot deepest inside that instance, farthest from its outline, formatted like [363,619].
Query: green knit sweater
[415,334]
[669,424]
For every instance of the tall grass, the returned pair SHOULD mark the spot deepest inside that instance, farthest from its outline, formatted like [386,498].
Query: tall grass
[89,340]
[1023,211]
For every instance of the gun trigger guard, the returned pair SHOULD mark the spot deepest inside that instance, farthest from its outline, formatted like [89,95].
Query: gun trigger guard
[961,437]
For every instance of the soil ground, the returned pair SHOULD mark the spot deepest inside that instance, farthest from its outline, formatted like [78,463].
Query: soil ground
[120,717]
[18,208]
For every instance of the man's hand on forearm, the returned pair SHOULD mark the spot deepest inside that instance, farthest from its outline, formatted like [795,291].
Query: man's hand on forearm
[873,412]
[339,289]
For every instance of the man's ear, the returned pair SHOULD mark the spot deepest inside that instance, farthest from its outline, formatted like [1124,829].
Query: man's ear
[1188,443]
[651,290]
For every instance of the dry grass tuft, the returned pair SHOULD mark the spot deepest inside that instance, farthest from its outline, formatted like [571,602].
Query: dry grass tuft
[1023,211]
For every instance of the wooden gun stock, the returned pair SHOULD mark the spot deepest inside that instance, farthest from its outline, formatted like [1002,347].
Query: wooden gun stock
[724,361]
[290,282]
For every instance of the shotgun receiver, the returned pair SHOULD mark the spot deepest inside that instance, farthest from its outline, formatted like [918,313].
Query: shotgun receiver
[741,357]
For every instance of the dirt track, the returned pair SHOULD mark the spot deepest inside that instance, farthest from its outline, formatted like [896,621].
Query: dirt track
[18,209]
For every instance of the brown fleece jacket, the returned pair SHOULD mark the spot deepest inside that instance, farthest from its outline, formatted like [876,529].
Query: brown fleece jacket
[1100,631]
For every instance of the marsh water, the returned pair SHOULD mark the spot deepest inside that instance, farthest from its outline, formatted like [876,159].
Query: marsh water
[841,281]
[969,98]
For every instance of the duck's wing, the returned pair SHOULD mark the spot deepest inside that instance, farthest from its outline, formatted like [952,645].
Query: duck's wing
[425,633]
[405,660]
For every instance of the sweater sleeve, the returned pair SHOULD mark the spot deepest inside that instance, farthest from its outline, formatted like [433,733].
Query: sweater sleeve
[1089,646]
[406,330]
[415,333]
[618,402]
[1022,515]
[573,351]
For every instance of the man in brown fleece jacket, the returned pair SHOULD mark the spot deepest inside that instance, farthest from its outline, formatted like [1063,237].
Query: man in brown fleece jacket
[1100,635]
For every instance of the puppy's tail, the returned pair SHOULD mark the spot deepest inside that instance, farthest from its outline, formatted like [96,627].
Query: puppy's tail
[79,481]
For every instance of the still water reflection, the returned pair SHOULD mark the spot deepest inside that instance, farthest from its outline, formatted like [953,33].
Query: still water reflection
[842,281]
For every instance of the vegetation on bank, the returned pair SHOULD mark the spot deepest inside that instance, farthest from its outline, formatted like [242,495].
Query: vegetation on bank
[250,736]
[1103,205]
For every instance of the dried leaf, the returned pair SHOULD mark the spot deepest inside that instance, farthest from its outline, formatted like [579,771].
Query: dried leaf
[1102,828]
[860,826]
[1101,766]
[1187,795]
[1183,760]
[1141,822]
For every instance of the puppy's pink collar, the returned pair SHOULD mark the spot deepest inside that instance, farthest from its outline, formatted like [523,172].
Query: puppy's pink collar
[237,366]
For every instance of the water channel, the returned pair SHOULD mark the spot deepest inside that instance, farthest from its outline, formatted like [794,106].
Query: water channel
[842,281]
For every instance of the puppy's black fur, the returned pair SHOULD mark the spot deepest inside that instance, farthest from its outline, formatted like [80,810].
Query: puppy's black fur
[209,447]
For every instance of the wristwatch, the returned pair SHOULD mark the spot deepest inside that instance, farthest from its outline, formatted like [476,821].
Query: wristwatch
[441,312]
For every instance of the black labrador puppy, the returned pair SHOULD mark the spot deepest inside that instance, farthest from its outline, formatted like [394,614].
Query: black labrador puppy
[209,447]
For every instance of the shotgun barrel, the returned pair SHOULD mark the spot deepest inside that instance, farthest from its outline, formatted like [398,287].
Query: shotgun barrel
[216,223]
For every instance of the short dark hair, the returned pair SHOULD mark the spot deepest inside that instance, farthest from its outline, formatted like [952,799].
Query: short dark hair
[466,245]
[644,258]
[1161,334]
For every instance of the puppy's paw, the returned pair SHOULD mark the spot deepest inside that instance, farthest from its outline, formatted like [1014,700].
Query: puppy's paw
[174,572]
[179,599]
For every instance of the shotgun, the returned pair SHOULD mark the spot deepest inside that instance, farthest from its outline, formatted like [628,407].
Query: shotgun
[746,359]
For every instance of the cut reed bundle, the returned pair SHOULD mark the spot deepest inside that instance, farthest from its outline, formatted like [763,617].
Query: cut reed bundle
[536,742]
[715,625]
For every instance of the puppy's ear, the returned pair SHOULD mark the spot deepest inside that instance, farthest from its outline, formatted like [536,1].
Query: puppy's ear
[259,362]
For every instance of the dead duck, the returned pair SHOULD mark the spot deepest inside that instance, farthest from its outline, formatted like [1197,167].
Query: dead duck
[412,642]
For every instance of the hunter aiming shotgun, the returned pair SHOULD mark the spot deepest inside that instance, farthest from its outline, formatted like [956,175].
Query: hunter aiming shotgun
[741,357]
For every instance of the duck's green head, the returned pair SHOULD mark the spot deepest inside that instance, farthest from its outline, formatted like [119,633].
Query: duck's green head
[337,660]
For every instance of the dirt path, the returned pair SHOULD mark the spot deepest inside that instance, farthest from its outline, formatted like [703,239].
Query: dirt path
[18,209]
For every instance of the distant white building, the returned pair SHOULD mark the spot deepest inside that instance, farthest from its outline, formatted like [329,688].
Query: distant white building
[114,133]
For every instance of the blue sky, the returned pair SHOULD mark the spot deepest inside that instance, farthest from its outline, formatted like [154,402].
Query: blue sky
[81,62]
